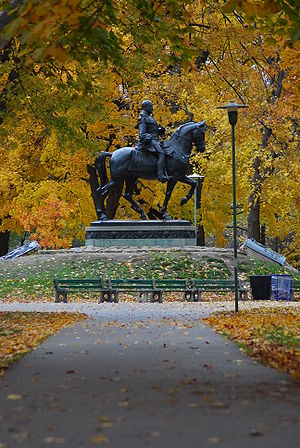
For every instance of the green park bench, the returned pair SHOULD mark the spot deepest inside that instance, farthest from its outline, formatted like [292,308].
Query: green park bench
[174,285]
[144,287]
[216,285]
[191,289]
[65,286]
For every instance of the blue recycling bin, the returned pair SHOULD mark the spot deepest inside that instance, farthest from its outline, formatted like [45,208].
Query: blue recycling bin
[273,286]
[281,286]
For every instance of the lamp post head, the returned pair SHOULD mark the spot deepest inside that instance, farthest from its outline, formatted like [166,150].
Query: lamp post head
[232,108]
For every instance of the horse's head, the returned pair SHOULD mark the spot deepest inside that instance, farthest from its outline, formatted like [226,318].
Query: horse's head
[199,136]
[188,134]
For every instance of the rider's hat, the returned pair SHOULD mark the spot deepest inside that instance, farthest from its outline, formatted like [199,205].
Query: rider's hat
[146,105]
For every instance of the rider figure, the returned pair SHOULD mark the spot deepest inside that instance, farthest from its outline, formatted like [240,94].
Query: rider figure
[149,131]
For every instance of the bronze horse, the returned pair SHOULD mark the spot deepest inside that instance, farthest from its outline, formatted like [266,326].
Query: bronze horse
[128,164]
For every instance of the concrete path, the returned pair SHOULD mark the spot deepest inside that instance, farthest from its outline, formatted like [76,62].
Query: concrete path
[148,379]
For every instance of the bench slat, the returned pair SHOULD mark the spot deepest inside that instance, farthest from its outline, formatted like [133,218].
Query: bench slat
[130,283]
[78,285]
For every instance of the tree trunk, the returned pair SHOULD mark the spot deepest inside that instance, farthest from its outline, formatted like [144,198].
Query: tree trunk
[254,203]
[200,235]
[263,234]
[4,240]
[275,244]
[254,219]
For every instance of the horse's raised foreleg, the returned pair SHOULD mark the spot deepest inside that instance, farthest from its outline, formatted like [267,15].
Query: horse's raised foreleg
[193,184]
[170,187]
[104,192]
[130,181]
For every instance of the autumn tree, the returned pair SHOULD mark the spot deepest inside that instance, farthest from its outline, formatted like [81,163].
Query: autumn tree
[247,65]
[62,62]
[81,73]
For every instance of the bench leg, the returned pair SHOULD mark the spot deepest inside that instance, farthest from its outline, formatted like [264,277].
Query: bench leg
[156,296]
[244,295]
[114,296]
[61,293]
[142,296]
[188,295]
[196,295]
[105,296]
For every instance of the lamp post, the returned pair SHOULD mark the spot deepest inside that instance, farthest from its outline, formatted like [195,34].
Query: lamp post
[232,109]
[195,177]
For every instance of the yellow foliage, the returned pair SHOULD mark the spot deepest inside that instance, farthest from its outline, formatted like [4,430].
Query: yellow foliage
[99,106]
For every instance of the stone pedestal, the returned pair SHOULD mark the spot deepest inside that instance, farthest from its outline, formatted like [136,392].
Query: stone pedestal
[140,233]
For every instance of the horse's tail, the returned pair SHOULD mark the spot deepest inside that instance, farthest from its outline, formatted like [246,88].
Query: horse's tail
[101,167]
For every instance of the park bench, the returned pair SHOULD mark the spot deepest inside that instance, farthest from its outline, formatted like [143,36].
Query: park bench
[65,286]
[191,289]
[174,285]
[215,285]
[144,288]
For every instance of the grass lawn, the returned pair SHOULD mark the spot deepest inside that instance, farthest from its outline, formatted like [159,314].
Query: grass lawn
[22,332]
[271,336]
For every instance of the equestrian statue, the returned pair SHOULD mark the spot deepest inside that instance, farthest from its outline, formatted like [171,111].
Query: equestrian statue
[166,161]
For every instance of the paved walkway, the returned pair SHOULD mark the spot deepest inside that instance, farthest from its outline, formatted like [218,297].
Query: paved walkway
[143,376]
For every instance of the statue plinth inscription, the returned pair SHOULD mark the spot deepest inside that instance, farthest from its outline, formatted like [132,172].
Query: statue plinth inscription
[140,233]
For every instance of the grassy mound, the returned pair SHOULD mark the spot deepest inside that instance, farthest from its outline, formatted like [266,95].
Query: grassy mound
[31,278]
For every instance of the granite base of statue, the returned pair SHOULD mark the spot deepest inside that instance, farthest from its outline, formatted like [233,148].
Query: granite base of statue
[140,233]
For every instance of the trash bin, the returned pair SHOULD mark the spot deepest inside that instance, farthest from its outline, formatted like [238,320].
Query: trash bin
[281,286]
[261,287]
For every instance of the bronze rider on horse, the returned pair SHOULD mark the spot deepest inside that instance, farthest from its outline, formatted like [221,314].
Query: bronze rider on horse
[149,132]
